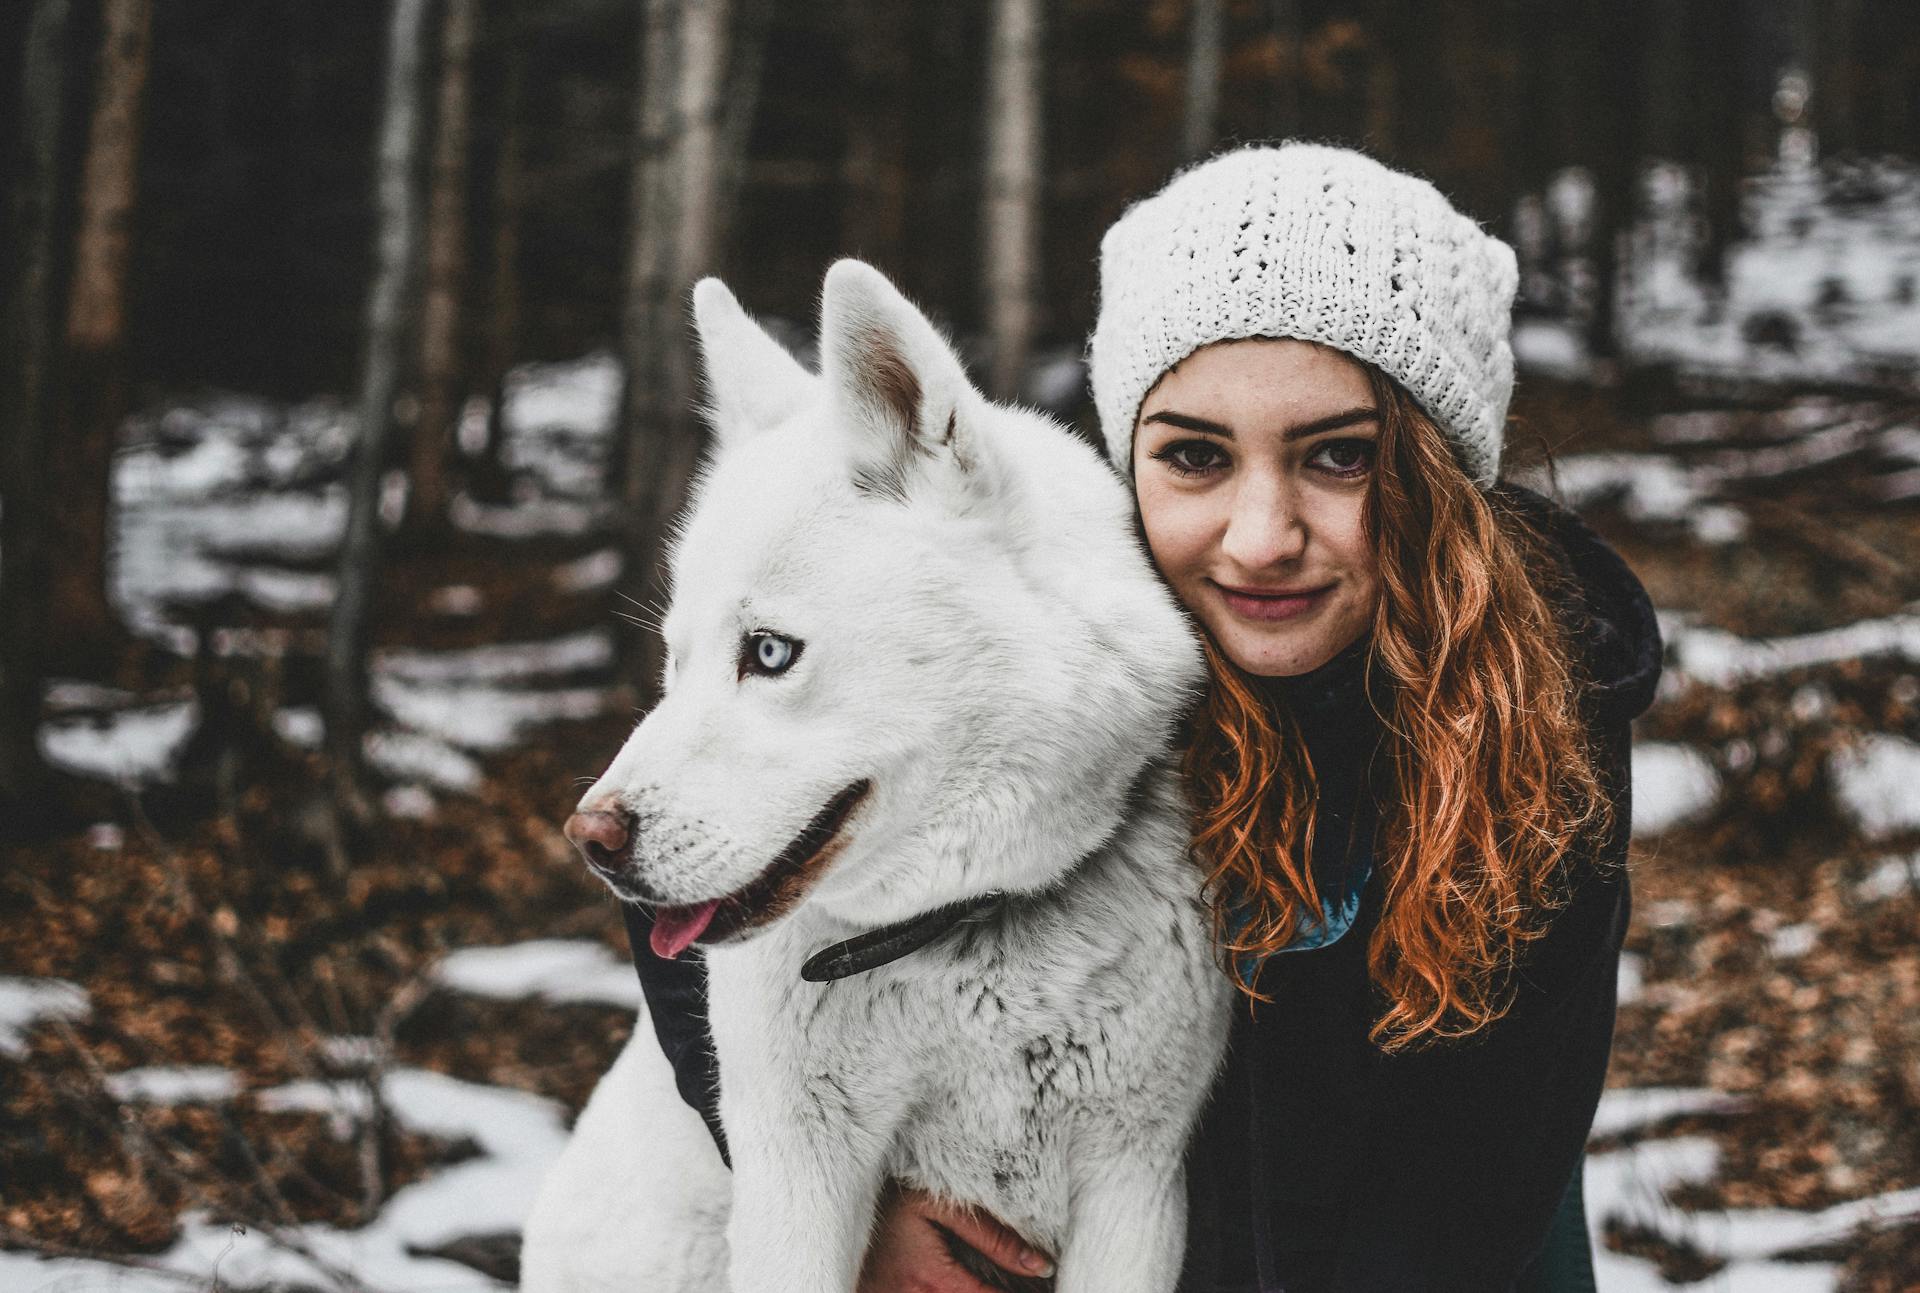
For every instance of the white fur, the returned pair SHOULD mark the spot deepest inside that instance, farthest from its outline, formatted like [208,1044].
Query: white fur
[987,645]
[639,1188]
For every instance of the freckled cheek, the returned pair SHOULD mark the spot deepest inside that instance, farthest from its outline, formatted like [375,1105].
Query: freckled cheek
[1180,534]
[1343,536]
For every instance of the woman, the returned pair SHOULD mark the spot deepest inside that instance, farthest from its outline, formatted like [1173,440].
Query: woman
[1410,774]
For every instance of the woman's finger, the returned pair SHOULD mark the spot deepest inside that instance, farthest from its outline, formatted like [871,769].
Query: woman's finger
[985,1233]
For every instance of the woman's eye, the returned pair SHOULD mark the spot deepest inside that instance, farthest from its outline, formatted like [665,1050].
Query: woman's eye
[1190,457]
[1347,457]
[767,653]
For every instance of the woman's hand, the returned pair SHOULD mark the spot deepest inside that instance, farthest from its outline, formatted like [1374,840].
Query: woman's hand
[923,1246]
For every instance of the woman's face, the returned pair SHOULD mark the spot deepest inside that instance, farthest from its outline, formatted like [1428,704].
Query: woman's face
[1251,462]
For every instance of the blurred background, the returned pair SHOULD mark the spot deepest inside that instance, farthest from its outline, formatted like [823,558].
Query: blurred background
[346,394]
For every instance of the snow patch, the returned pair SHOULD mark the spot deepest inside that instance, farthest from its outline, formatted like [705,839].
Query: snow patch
[580,395]
[1672,785]
[533,519]
[591,573]
[1891,877]
[1790,942]
[557,970]
[1630,1109]
[25,1002]
[1631,978]
[399,754]
[1721,659]
[501,662]
[483,718]
[186,1084]
[416,756]
[413,803]
[1551,348]
[1877,781]
[129,745]
[1649,487]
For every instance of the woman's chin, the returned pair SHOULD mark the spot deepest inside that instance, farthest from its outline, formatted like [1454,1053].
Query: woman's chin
[1278,652]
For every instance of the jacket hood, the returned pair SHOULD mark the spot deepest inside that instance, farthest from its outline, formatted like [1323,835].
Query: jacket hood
[1614,625]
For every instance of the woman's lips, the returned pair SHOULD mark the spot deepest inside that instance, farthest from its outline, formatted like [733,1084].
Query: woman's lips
[1256,607]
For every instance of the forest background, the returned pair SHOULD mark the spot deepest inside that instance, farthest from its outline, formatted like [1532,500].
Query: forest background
[346,393]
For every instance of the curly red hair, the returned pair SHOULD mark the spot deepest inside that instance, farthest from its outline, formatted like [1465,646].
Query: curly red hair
[1495,775]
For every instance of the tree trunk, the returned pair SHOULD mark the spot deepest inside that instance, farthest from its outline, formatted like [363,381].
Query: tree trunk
[1616,166]
[1719,38]
[1205,42]
[348,706]
[652,199]
[25,363]
[873,171]
[1284,17]
[441,336]
[487,477]
[752,23]
[1664,110]
[674,233]
[1834,33]
[705,28]
[1013,190]
[84,629]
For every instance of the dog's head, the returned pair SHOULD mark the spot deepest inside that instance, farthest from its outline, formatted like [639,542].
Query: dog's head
[915,652]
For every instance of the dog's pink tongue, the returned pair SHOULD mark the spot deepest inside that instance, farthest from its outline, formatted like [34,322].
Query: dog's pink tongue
[675,928]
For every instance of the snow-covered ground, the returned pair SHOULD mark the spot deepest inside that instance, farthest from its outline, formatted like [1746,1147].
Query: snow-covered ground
[1698,652]
[520,1135]
[1820,286]
[24,1003]
[1672,784]
[209,495]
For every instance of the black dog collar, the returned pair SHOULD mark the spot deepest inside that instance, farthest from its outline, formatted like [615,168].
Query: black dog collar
[877,947]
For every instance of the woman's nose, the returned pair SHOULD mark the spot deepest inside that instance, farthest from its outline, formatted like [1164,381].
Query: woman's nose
[1266,526]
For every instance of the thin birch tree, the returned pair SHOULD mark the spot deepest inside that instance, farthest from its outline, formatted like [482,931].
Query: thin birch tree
[486,474]
[348,705]
[1206,41]
[873,170]
[752,24]
[673,237]
[25,363]
[83,623]
[1013,191]
[1283,17]
[442,312]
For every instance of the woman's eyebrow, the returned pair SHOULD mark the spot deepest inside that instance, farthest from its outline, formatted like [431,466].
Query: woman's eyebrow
[1187,422]
[1332,422]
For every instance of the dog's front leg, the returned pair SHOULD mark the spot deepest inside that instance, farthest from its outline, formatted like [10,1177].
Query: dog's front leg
[803,1201]
[1126,1229]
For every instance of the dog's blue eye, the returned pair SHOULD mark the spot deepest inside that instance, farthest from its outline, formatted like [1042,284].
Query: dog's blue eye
[767,653]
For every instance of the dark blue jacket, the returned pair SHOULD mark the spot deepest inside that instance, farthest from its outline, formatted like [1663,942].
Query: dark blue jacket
[1322,1163]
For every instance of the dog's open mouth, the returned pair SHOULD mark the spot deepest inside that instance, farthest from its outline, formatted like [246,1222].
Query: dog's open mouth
[784,882]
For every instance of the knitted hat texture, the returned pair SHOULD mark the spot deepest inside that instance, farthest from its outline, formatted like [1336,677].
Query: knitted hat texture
[1320,244]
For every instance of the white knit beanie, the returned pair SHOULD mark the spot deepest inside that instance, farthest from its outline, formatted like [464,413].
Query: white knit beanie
[1320,244]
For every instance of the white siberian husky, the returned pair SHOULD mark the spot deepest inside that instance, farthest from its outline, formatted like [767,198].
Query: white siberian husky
[916,658]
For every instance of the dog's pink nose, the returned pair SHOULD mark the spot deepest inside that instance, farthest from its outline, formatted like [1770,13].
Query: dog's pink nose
[604,840]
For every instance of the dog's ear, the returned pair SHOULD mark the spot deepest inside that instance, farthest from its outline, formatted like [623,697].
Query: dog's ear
[751,381]
[895,382]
